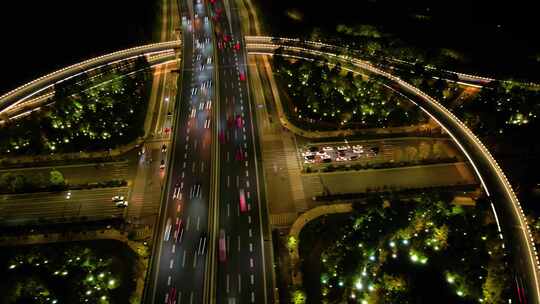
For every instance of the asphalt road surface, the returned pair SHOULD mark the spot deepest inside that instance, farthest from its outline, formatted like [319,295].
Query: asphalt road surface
[93,204]
[241,274]
[180,267]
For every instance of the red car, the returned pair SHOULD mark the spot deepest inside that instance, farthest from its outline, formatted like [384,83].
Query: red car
[239,122]
[239,155]
[171,296]
[222,246]
[242,76]
[222,138]
[242,201]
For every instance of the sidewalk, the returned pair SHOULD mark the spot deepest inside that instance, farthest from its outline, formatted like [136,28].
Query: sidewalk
[296,228]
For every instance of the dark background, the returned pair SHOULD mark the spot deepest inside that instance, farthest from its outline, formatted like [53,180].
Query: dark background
[39,37]
[499,38]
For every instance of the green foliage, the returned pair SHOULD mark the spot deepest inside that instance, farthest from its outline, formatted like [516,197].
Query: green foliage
[378,250]
[86,115]
[323,94]
[501,108]
[56,178]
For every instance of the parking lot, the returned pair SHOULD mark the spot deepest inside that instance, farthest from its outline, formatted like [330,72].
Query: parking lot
[340,153]
[376,151]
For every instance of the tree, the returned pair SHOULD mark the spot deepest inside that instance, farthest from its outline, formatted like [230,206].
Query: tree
[56,179]
[5,180]
[18,184]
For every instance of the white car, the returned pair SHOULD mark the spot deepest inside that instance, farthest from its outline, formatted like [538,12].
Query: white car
[121,204]
[117,198]
[308,153]
[358,151]
[341,158]
[328,148]
[343,148]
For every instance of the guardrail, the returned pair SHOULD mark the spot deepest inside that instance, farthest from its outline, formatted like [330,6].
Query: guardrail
[36,86]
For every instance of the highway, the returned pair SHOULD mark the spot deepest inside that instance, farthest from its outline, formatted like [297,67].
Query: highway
[179,269]
[510,218]
[241,275]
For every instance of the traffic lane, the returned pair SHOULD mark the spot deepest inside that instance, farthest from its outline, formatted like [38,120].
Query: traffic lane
[203,144]
[242,263]
[91,203]
[189,213]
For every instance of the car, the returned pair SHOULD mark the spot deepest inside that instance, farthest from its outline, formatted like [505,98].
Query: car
[170,297]
[309,157]
[239,122]
[308,153]
[121,204]
[242,76]
[239,154]
[358,151]
[341,158]
[222,246]
[321,153]
[328,149]
[164,148]
[343,148]
[309,161]
[162,164]
[178,230]
[117,198]
[222,138]
[242,200]
[202,244]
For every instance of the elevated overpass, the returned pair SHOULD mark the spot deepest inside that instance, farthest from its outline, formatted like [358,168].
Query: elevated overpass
[162,52]
[510,218]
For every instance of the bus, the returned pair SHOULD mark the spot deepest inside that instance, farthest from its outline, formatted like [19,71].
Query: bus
[243,206]
[222,246]
[168,230]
